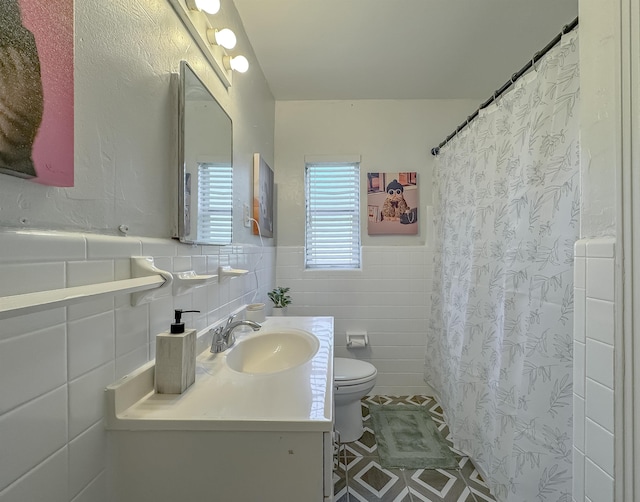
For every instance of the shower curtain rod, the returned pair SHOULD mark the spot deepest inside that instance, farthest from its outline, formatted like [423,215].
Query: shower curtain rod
[536,57]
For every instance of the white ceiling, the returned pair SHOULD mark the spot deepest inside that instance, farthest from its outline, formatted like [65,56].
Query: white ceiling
[397,49]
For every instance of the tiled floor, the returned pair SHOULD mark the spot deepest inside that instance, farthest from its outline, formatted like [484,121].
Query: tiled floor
[358,476]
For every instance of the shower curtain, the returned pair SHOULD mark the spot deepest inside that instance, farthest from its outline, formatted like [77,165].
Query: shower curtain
[499,340]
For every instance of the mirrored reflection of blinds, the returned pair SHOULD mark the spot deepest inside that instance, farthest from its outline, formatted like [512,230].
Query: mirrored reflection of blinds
[215,202]
[332,238]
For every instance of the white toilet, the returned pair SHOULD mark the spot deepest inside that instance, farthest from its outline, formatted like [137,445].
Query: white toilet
[352,380]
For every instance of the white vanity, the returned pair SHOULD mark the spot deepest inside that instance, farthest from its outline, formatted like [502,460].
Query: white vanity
[238,434]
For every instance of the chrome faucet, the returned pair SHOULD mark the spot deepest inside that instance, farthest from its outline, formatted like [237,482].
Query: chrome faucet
[223,337]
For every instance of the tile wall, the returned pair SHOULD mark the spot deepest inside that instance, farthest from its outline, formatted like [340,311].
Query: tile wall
[55,364]
[389,299]
[593,398]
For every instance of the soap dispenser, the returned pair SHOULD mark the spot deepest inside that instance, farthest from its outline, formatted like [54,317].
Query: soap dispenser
[176,357]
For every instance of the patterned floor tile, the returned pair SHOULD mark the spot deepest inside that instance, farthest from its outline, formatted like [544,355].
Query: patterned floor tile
[358,476]
[369,482]
[438,485]
[474,480]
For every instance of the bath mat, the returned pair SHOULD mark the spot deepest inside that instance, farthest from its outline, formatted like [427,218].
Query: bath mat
[408,437]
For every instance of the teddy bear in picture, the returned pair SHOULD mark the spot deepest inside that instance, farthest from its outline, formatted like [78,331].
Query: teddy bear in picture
[394,205]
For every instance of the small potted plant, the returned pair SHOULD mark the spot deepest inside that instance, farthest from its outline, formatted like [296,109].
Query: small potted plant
[280,300]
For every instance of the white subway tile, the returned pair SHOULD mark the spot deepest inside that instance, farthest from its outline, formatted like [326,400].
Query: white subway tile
[580,272]
[127,363]
[36,246]
[599,404]
[578,475]
[91,343]
[601,248]
[20,325]
[89,272]
[578,422]
[86,398]
[32,432]
[600,320]
[599,362]
[598,484]
[106,246]
[579,370]
[600,278]
[80,273]
[31,365]
[580,247]
[599,446]
[96,491]
[45,483]
[579,314]
[87,457]
[158,247]
[18,279]
[132,329]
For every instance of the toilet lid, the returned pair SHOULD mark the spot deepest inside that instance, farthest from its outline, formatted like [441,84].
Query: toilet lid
[352,371]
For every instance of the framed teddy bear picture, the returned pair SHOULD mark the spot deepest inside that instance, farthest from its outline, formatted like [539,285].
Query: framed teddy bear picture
[392,203]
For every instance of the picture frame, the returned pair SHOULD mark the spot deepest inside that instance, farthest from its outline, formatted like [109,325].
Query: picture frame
[42,148]
[392,203]
[263,197]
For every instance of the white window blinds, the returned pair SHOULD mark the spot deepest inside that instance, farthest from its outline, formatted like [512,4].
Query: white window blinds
[215,200]
[332,239]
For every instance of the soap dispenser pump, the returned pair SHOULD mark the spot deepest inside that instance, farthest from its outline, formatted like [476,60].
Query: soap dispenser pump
[175,369]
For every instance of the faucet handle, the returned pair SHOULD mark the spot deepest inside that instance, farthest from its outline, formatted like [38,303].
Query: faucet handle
[230,320]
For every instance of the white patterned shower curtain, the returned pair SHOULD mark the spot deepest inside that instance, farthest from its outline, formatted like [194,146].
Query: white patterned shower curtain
[499,340]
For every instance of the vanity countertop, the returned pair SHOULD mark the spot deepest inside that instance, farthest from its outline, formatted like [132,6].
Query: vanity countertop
[297,399]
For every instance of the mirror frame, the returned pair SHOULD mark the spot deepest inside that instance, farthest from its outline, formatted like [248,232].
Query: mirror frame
[184,212]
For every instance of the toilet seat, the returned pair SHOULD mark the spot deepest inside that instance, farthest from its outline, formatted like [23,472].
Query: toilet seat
[347,372]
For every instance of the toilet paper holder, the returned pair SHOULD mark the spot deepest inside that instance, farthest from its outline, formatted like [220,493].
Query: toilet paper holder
[357,339]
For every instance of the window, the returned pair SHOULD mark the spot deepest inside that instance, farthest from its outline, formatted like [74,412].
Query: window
[332,239]
[215,200]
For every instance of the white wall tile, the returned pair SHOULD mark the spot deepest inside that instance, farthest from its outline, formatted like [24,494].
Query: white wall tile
[601,248]
[96,491]
[18,279]
[580,272]
[599,362]
[600,278]
[86,398]
[579,371]
[21,325]
[600,320]
[41,246]
[578,422]
[31,365]
[580,248]
[598,484]
[89,272]
[578,475]
[579,314]
[132,329]
[599,404]
[87,457]
[599,446]
[45,483]
[127,363]
[105,246]
[31,433]
[91,343]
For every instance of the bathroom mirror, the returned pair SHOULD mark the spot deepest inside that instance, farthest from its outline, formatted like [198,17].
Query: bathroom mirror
[205,195]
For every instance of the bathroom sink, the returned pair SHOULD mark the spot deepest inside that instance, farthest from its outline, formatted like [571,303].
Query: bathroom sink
[273,351]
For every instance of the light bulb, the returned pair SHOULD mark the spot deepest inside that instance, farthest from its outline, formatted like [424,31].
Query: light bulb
[209,6]
[239,64]
[226,38]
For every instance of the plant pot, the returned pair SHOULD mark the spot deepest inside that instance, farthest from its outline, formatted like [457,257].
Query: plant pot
[279,311]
